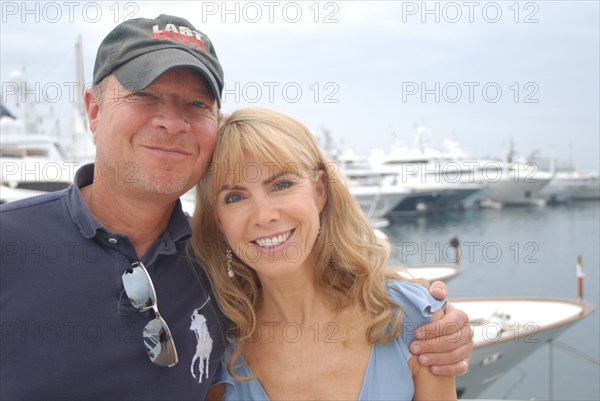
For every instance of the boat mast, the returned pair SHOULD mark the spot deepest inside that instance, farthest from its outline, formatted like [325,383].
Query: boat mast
[80,82]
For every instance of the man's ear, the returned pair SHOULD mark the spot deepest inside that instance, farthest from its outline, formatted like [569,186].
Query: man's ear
[92,107]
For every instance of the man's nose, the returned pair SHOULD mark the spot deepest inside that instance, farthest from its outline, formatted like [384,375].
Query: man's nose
[171,117]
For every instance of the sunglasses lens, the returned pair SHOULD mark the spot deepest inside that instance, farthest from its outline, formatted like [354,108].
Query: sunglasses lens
[159,343]
[157,336]
[139,288]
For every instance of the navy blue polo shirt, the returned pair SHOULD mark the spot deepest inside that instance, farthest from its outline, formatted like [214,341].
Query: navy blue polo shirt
[69,331]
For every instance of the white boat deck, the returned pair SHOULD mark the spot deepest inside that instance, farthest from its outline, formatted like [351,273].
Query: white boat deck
[433,273]
[505,319]
[508,330]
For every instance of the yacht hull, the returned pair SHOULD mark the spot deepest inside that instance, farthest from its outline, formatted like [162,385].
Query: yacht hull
[433,201]
[506,331]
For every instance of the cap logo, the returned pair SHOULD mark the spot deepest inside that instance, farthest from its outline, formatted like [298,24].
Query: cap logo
[179,34]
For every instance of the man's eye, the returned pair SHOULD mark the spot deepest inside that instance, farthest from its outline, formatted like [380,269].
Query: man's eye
[232,198]
[199,104]
[141,97]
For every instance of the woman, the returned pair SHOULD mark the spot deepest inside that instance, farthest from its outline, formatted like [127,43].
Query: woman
[295,266]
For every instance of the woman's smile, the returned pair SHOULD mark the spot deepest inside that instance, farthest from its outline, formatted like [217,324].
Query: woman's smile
[274,241]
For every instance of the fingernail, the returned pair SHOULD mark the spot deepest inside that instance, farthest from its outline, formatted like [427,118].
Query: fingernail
[424,359]
[435,370]
[416,349]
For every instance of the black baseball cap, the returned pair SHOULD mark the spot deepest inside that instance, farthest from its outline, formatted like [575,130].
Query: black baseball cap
[140,50]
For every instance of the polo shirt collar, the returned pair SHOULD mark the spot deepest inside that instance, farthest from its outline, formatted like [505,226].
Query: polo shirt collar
[178,228]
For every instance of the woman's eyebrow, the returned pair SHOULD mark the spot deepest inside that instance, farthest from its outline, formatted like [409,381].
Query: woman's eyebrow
[238,187]
[226,187]
[274,177]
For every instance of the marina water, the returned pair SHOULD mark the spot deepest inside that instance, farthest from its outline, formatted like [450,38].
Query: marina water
[521,252]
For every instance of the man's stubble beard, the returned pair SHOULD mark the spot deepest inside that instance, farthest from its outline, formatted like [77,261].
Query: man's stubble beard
[163,184]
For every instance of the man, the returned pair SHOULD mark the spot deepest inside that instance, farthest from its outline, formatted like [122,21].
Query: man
[81,268]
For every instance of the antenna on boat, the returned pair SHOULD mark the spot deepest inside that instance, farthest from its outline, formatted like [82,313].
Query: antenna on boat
[80,81]
[571,162]
[580,277]
[510,154]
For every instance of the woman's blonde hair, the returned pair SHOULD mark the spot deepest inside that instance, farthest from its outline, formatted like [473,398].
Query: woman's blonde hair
[350,262]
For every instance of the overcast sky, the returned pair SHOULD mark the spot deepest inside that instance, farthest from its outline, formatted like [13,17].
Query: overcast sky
[476,71]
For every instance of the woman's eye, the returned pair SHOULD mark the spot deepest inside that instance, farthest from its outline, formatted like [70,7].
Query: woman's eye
[232,198]
[283,185]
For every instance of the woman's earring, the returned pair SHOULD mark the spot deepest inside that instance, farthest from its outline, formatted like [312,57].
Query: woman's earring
[229,259]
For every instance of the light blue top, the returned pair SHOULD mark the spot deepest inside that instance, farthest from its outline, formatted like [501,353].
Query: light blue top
[387,377]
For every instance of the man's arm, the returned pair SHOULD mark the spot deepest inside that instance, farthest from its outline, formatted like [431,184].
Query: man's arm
[216,392]
[445,345]
[428,386]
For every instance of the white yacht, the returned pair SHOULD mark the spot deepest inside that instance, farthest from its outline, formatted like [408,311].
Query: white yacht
[568,183]
[32,159]
[591,191]
[36,154]
[437,182]
[506,331]
[563,186]
[521,183]
[505,182]
[565,182]
[373,193]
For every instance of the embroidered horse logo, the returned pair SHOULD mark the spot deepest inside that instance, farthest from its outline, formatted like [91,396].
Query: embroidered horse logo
[204,344]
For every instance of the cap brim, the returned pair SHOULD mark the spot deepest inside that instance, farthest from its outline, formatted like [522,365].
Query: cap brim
[140,72]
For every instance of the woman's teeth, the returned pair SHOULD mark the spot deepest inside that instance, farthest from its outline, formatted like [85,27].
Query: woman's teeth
[273,242]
